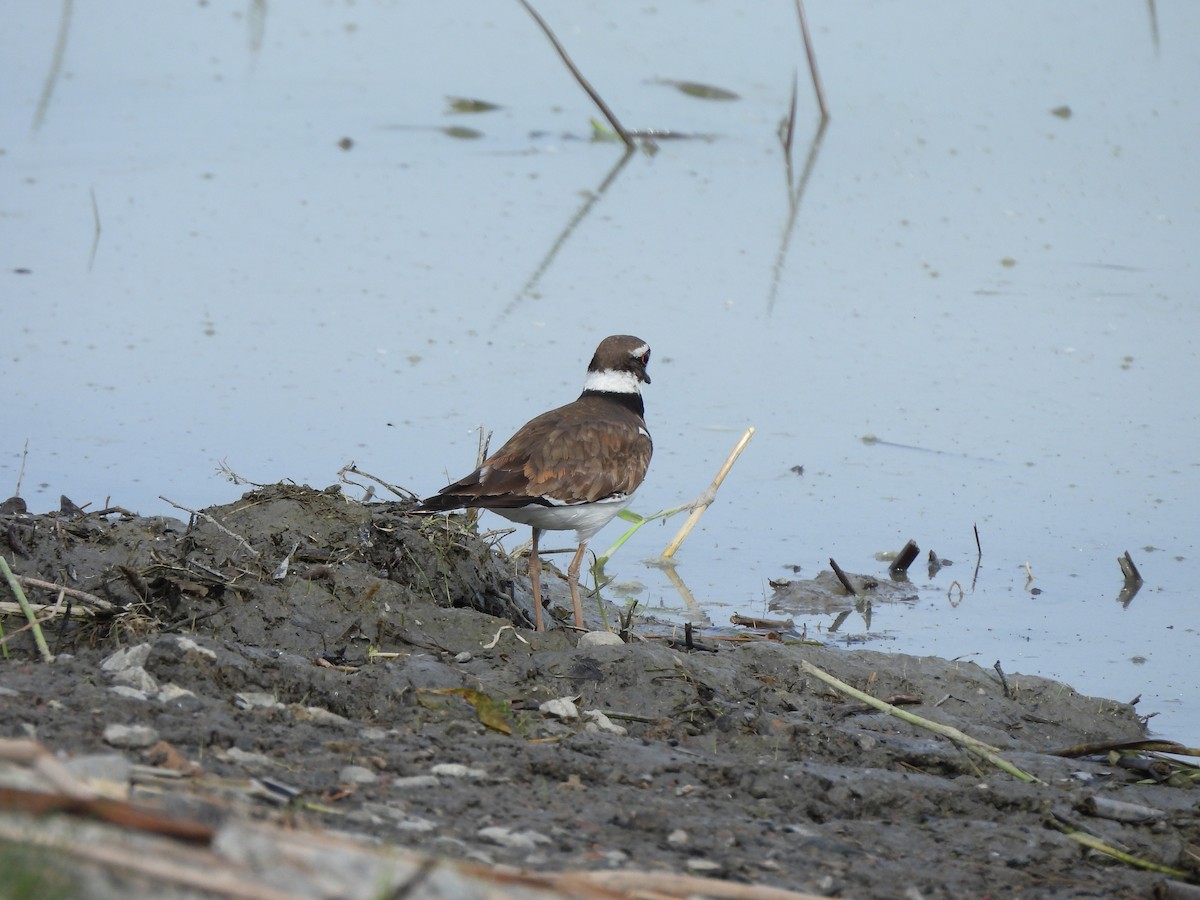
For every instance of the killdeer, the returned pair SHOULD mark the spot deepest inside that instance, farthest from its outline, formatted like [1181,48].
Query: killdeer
[573,468]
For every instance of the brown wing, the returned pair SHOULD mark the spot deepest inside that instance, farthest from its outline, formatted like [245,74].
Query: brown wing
[585,451]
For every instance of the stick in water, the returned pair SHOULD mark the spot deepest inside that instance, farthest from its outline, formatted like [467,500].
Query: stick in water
[708,497]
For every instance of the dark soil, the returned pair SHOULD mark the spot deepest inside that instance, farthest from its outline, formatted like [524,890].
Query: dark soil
[370,688]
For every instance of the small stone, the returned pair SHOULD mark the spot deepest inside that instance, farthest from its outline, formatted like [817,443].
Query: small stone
[320,716]
[357,775]
[172,692]
[130,737]
[187,645]
[598,639]
[248,758]
[598,721]
[514,840]
[255,700]
[678,837]
[457,770]
[126,658]
[124,690]
[463,657]
[415,824]
[562,707]
[703,866]
[137,678]
[415,781]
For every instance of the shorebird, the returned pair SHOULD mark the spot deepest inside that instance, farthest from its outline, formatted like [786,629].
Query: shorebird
[572,468]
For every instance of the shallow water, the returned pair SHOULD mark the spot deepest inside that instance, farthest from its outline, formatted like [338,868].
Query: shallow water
[1004,289]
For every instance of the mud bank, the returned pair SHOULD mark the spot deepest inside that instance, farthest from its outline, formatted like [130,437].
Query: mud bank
[300,668]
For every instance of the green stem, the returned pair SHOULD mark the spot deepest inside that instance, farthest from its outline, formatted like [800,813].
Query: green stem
[988,752]
[638,522]
[19,593]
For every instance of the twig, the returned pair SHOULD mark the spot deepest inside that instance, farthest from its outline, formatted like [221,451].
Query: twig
[15,586]
[1136,861]
[904,558]
[225,469]
[978,546]
[485,440]
[96,232]
[1130,571]
[764,624]
[60,52]
[988,752]
[203,515]
[92,599]
[583,82]
[789,128]
[843,578]
[402,493]
[21,471]
[1003,680]
[812,61]
[707,498]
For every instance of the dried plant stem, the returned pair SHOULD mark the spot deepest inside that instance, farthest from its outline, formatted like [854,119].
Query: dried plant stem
[351,468]
[21,471]
[988,752]
[583,82]
[90,599]
[706,499]
[812,61]
[1137,862]
[221,528]
[19,593]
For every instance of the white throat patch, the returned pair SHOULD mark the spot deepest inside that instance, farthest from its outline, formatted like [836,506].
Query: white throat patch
[611,381]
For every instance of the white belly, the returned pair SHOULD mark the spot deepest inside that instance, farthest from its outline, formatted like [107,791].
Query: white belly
[585,519]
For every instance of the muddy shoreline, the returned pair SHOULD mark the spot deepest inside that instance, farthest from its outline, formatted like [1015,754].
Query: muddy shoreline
[370,688]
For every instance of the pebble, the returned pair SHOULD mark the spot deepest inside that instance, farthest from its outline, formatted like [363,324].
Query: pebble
[357,775]
[516,840]
[598,639]
[130,736]
[457,770]
[562,707]
[415,781]
[598,721]
[187,645]
[248,758]
[703,866]
[124,690]
[137,678]
[126,658]
[173,692]
[256,700]
[321,716]
[677,838]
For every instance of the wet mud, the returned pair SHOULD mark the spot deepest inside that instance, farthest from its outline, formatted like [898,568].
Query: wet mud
[301,658]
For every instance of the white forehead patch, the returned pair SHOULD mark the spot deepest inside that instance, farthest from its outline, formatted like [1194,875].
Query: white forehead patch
[612,381]
[640,351]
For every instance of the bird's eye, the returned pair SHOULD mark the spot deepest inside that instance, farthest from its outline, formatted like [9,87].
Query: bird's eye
[646,358]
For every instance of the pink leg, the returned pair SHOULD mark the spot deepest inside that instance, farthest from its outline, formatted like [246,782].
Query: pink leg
[535,580]
[573,583]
